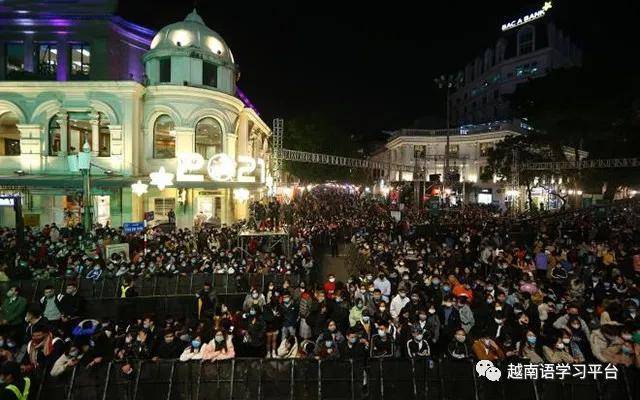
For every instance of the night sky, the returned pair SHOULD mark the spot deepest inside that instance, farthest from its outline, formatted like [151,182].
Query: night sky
[371,66]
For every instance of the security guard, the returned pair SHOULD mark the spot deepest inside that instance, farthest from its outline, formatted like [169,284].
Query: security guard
[16,387]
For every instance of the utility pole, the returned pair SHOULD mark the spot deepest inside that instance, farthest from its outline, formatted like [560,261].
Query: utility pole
[84,165]
[447,82]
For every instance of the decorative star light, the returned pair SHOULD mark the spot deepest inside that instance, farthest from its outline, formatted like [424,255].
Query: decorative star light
[161,178]
[547,5]
[139,188]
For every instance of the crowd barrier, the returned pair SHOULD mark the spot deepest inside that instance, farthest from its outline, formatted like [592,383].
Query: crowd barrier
[318,380]
[109,288]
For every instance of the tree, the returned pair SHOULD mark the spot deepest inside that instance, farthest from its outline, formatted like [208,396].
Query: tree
[317,134]
[586,109]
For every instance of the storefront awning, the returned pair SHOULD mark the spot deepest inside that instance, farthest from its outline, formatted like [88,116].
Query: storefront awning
[64,181]
[101,181]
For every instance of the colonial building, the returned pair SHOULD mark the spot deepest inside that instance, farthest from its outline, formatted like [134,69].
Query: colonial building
[144,103]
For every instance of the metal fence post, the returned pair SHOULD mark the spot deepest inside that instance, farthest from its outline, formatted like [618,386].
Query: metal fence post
[319,379]
[292,379]
[233,372]
[381,378]
[626,383]
[260,380]
[475,383]
[173,367]
[107,380]
[73,378]
[135,386]
[198,381]
[353,388]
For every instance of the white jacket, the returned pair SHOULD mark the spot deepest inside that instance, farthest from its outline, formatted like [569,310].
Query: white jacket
[397,304]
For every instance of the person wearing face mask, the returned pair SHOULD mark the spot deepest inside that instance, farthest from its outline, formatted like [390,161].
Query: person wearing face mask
[49,304]
[340,311]
[194,351]
[572,312]
[254,334]
[382,314]
[365,327]
[529,348]
[254,298]
[355,314]
[398,303]
[486,348]
[382,345]
[458,349]
[384,285]
[34,319]
[449,318]
[219,348]
[418,346]
[169,348]
[12,311]
[66,361]
[330,286]
[15,385]
[326,349]
[354,348]
[556,352]
[206,300]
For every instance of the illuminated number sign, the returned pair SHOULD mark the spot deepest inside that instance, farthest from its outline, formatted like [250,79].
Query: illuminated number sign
[220,168]
[528,18]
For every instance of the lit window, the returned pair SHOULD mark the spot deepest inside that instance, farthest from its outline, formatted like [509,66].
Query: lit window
[9,135]
[80,61]
[54,136]
[162,206]
[47,60]
[14,58]
[164,138]
[525,40]
[484,149]
[208,137]
[214,45]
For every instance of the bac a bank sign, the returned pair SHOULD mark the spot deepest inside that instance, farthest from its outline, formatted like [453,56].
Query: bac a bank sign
[528,18]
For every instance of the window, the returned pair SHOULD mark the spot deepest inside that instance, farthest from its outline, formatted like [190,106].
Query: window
[164,138]
[54,136]
[208,137]
[484,149]
[80,61]
[419,151]
[104,137]
[165,70]
[161,206]
[209,74]
[47,62]
[454,149]
[14,58]
[525,40]
[9,135]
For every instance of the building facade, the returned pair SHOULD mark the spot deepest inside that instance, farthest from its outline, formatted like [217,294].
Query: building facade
[423,150]
[146,104]
[529,47]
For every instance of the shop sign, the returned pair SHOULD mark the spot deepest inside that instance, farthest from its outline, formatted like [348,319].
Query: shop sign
[117,249]
[7,201]
[220,168]
[528,18]
[133,227]
[31,219]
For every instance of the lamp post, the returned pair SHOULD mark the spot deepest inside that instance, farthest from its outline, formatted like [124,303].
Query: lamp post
[447,82]
[84,165]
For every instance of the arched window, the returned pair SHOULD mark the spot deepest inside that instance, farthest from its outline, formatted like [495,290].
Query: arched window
[54,136]
[526,40]
[208,137]
[164,137]
[9,135]
[104,137]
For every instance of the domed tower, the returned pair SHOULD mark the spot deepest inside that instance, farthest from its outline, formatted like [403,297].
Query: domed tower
[188,53]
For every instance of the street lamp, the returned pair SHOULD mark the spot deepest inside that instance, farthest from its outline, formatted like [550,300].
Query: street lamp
[447,83]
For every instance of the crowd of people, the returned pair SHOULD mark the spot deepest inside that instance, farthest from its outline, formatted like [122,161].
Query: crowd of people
[462,284]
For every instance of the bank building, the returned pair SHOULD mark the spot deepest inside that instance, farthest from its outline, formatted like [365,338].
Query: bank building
[159,112]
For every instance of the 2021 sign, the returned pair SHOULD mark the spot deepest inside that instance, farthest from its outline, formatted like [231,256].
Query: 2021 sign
[220,168]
